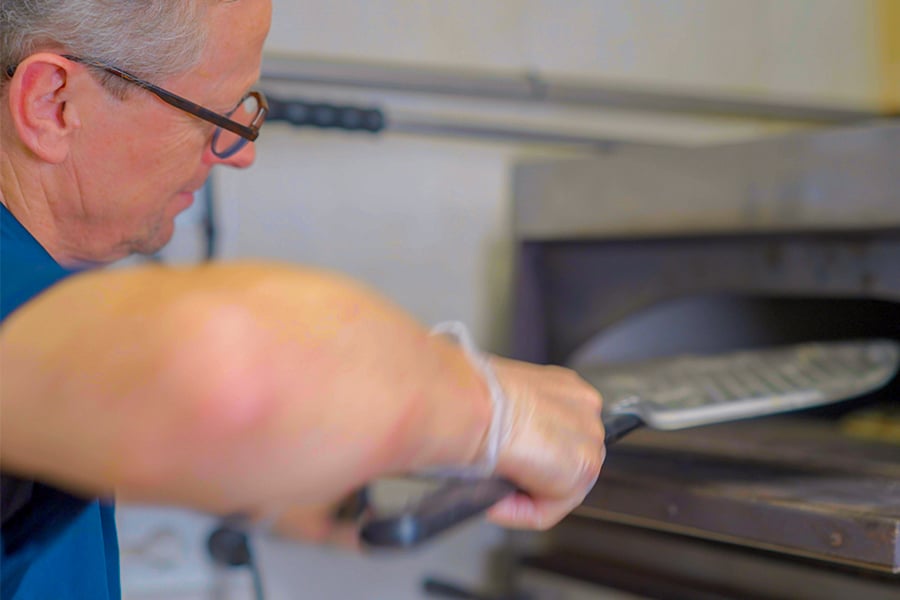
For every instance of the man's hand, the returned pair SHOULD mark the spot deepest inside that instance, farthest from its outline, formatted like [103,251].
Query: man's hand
[553,447]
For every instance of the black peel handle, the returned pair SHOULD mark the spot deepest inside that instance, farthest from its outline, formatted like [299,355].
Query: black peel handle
[620,425]
[459,500]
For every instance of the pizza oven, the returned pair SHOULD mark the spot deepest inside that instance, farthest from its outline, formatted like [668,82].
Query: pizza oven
[649,252]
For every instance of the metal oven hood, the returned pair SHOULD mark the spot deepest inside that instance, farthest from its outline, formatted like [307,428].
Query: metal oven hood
[834,180]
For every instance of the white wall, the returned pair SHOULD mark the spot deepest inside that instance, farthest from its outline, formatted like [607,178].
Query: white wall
[423,222]
[817,50]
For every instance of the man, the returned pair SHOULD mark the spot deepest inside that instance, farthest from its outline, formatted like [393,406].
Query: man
[230,387]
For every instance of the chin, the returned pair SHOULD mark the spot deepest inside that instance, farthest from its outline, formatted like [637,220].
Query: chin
[184,201]
[155,240]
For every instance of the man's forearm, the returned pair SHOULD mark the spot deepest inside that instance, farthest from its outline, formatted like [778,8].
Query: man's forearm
[224,387]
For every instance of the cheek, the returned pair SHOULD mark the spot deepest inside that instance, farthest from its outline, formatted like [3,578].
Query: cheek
[139,157]
[171,159]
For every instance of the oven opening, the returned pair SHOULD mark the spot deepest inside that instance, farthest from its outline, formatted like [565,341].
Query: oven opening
[718,323]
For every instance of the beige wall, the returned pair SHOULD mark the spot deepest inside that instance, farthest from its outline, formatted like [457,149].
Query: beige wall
[824,51]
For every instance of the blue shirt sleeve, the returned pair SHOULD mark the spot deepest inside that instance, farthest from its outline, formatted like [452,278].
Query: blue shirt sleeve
[54,544]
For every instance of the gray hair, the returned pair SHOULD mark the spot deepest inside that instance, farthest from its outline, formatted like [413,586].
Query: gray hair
[153,39]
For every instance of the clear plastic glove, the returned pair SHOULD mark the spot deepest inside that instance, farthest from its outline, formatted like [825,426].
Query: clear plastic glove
[551,444]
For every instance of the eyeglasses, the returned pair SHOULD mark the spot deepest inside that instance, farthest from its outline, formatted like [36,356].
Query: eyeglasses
[233,129]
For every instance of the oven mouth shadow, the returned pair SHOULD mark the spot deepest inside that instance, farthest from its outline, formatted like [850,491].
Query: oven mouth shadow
[719,323]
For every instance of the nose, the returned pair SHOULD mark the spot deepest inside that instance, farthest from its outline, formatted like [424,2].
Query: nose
[244,157]
[241,159]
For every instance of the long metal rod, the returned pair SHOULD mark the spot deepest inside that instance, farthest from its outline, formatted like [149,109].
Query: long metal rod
[537,88]
[501,133]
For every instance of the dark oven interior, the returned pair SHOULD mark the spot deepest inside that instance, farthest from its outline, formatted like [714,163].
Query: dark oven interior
[588,302]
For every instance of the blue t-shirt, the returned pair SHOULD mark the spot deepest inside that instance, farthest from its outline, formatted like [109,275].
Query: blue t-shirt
[54,545]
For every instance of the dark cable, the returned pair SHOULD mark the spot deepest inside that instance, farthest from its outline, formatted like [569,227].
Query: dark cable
[229,546]
[209,219]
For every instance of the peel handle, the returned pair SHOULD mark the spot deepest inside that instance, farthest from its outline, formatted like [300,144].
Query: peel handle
[459,500]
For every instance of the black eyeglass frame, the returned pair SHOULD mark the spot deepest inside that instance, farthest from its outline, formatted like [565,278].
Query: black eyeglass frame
[248,133]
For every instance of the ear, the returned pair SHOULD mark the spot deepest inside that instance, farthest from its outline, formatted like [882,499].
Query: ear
[39,95]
